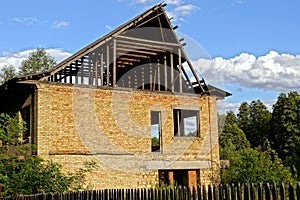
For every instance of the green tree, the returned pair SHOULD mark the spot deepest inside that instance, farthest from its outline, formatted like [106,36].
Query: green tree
[254,120]
[37,61]
[285,138]
[7,72]
[252,166]
[23,173]
[243,116]
[232,138]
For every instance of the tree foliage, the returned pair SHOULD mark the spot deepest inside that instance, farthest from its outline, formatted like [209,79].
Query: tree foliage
[252,166]
[23,173]
[7,72]
[37,61]
[285,138]
[232,138]
[254,120]
[262,146]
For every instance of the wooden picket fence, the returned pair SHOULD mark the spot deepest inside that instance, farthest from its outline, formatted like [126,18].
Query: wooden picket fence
[211,192]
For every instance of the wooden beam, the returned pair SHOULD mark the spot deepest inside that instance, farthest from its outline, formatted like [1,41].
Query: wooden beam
[136,51]
[150,76]
[133,48]
[101,68]
[149,41]
[172,71]
[76,75]
[81,81]
[114,62]
[132,55]
[158,75]
[129,59]
[107,65]
[144,45]
[180,70]
[143,77]
[166,73]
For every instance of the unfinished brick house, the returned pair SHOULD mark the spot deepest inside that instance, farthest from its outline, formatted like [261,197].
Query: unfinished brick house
[132,102]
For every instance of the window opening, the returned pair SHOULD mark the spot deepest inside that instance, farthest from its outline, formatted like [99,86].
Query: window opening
[186,122]
[155,131]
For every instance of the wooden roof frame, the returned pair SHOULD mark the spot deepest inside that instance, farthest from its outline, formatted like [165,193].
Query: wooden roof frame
[116,34]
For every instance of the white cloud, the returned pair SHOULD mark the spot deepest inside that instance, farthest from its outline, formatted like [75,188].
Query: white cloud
[174,2]
[60,24]
[16,58]
[273,71]
[176,9]
[186,9]
[223,105]
[26,20]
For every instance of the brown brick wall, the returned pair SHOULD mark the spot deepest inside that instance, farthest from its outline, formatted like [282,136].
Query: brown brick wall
[112,127]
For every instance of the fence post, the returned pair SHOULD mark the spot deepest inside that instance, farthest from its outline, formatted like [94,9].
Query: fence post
[227,194]
[232,190]
[298,191]
[246,192]
[210,193]
[252,192]
[239,192]
[291,192]
[220,192]
[268,192]
[282,192]
[260,191]
[274,191]
[199,192]
[215,192]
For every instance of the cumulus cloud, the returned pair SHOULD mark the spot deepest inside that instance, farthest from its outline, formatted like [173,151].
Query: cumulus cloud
[26,20]
[177,9]
[60,24]
[16,58]
[273,71]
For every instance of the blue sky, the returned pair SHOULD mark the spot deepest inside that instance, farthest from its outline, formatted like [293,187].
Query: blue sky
[254,45]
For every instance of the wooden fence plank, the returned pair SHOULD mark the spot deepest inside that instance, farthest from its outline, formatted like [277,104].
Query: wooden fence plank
[252,192]
[298,191]
[239,192]
[232,192]
[291,192]
[215,188]
[246,191]
[268,192]
[260,192]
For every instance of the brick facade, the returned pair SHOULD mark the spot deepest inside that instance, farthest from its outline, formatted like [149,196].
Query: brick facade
[112,127]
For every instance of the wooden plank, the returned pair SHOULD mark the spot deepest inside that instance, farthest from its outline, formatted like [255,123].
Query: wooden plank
[166,73]
[150,76]
[107,65]
[143,77]
[172,72]
[114,62]
[133,48]
[132,55]
[144,45]
[136,51]
[158,75]
[81,81]
[76,76]
[96,76]
[180,70]
[149,41]
[129,59]
[101,68]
